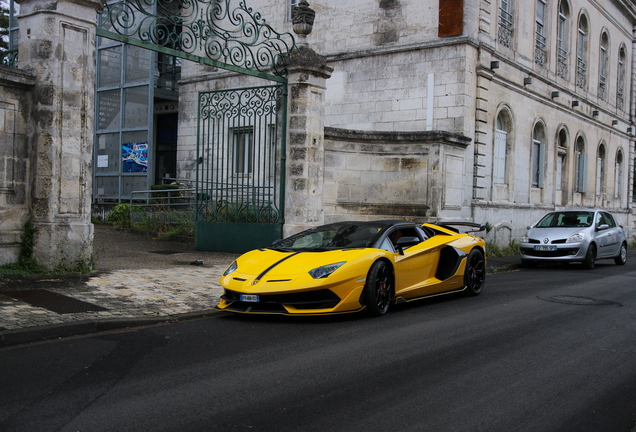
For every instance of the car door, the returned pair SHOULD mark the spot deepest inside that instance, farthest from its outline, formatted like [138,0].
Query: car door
[603,237]
[415,270]
[614,236]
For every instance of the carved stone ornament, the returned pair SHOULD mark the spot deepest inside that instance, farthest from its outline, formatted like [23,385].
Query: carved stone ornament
[303,19]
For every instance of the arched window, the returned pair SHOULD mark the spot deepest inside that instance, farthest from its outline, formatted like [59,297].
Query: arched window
[603,67]
[538,155]
[618,174]
[581,54]
[505,22]
[540,53]
[620,85]
[600,170]
[580,160]
[561,165]
[562,39]
[500,148]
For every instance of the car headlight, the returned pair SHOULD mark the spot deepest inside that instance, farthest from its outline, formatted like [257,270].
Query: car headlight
[231,269]
[524,238]
[324,271]
[576,238]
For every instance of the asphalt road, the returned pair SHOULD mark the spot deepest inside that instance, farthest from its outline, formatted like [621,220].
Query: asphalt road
[545,349]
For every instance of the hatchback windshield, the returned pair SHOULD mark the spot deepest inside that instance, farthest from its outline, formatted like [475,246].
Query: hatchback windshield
[333,236]
[566,220]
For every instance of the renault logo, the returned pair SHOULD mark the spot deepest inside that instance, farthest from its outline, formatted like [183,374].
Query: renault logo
[545,240]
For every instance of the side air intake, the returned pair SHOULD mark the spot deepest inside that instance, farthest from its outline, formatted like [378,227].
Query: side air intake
[449,260]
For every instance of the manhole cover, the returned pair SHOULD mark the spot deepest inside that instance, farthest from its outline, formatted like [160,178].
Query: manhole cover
[165,252]
[579,300]
[54,302]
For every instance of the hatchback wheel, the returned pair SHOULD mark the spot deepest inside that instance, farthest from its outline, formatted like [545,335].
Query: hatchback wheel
[590,257]
[621,259]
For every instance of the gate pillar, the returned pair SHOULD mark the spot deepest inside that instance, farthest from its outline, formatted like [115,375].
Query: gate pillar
[307,76]
[57,44]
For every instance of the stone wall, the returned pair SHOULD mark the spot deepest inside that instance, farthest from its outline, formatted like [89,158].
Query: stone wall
[394,175]
[15,164]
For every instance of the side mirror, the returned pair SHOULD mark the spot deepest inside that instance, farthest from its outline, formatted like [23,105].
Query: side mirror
[602,227]
[406,242]
[529,227]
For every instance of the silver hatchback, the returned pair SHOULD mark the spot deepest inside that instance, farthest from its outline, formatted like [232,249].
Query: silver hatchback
[583,235]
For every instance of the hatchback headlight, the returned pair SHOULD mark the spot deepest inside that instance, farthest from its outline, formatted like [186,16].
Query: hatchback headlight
[231,269]
[524,238]
[324,271]
[576,238]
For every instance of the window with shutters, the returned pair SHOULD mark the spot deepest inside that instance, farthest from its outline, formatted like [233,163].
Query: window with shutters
[618,174]
[620,85]
[500,151]
[540,49]
[538,155]
[603,68]
[600,170]
[562,158]
[562,39]
[505,23]
[581,166]
[581,54]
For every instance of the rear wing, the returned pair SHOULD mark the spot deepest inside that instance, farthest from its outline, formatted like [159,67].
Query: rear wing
[451,225]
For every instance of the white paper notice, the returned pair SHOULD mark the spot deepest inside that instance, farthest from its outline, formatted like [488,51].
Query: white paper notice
[102,161]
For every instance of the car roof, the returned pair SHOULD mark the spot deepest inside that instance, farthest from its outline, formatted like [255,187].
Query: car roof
[378,223]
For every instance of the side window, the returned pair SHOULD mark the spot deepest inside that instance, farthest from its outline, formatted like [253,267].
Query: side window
[387,245]
[609,219]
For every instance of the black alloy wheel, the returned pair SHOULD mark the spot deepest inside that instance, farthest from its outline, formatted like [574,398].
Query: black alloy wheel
[621,259]
[475,274]
[378,289]
[590,257]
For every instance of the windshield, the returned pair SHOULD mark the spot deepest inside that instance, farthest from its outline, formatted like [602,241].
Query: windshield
[333,236]
[566,220]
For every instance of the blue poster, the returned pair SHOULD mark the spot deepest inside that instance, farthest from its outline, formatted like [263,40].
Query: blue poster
[134,157]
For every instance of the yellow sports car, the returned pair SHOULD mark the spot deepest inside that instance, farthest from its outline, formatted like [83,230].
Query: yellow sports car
[351,266]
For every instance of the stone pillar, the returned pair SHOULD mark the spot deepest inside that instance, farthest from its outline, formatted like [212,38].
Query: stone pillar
[307,75]
[57,44]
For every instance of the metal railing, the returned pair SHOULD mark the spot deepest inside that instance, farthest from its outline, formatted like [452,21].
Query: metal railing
[162,201]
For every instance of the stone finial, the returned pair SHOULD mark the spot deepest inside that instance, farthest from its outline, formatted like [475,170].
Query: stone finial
[303,21]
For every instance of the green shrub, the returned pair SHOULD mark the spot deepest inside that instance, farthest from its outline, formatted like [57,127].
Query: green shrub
[120,216]
[493,250]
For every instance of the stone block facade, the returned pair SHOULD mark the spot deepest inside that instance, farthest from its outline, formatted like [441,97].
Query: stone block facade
[536,133]
[15,162]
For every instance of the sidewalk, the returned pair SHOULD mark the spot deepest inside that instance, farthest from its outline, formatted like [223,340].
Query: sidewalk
[140,281]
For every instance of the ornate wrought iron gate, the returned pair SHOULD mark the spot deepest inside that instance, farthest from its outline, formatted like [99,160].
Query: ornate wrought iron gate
[240,183]
[240,169]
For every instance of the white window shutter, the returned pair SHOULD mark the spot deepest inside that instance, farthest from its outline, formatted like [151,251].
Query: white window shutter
[499,162]
[541,164]
[599,174]
[583,173]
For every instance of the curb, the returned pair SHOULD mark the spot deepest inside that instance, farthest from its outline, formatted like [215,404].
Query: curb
[58,331]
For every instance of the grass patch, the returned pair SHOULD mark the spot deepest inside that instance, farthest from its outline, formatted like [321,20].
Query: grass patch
[496,251]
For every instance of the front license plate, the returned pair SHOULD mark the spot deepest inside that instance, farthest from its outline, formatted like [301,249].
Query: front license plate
[249,298]
[545,248]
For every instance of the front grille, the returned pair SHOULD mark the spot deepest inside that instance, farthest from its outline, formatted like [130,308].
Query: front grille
[319,299]
[550,254]
[560,241]
[534,241]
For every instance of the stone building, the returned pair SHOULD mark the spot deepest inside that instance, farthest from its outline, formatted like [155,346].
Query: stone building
[492,111]
[475,110]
